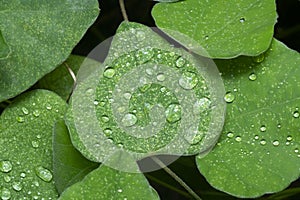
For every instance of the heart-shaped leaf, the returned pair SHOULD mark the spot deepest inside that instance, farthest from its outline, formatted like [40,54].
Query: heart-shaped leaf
[225,29]
[41,35]
[26,145]
[258,151]
[107,183]
[148,97]
[69,166]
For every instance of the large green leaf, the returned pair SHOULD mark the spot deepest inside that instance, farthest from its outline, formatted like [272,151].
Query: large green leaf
[258,151]
[26,145]
[4,48]
[41,35]
[148,97]
[60,80]
[106,183]
[225,29]
[69,166]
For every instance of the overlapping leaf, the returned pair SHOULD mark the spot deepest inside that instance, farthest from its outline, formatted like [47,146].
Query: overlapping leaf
[41,35]
[258,152]
[225,29]
[26,145]
[4,48]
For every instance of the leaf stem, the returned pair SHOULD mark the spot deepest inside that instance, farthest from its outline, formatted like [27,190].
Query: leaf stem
[177,178]
[72,74]
[123,10]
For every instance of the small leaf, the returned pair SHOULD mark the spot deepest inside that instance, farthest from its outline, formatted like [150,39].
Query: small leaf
[26,145]
[4,48]
[225,29]
[41,35]
[60,80]
[148,97]
[69,166]
[258,151]
[107,183]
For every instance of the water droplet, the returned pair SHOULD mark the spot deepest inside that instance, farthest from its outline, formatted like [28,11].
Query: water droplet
[238,138]
[230,135]
[252,77]
[259,58]
[25,111]
[105,118]
[289,138]
[263,142]
[229,97]
[43,174]
[109,73]
[180,62]
[36,113]
[201,105]
[7,178]
[5,166]
[275,143]
[22,174]
[278,125]
[263,128]
[296,150]
[120,190]
[256,137]
[173,113]
[296,114]
[206,37]
[20,119]
[35,144]
[96,102]
[149,71]
[129,120]
[48,106]
[107,132]
[5,194]
[242,20]
[17,186]
[160,77]
[127,95]
[188,80]
[120,145]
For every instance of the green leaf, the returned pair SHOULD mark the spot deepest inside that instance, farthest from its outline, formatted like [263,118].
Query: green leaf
[225,29]
[41,36]
[147,97]
[69,166]
[258,151]
[26,145]
[60,80]
[107,183]
[4,48]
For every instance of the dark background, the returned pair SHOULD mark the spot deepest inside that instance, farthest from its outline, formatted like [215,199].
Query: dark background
[287,30]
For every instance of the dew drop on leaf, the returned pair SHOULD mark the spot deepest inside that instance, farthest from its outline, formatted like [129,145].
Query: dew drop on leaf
[252,77]
[180,62]
[238,138]
[127,95]
[5,194]
[201,105]
[96,102]
[109,73]
[105,118]
[289,138]
[107,132]
[263,128]
[5,166]
[160,77]
[263,142]
[188,80]
[242,20]
[173,113]
[25,110]
[129,119]
[22,174]
[35,144]
[120,190]
[275,143]
[296,114]
[43,174]
[7,178]
[17,186]
[230,135]
[36,113]
[229,97]
[48,107]
[20,119]
[296,150]
[256,137]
